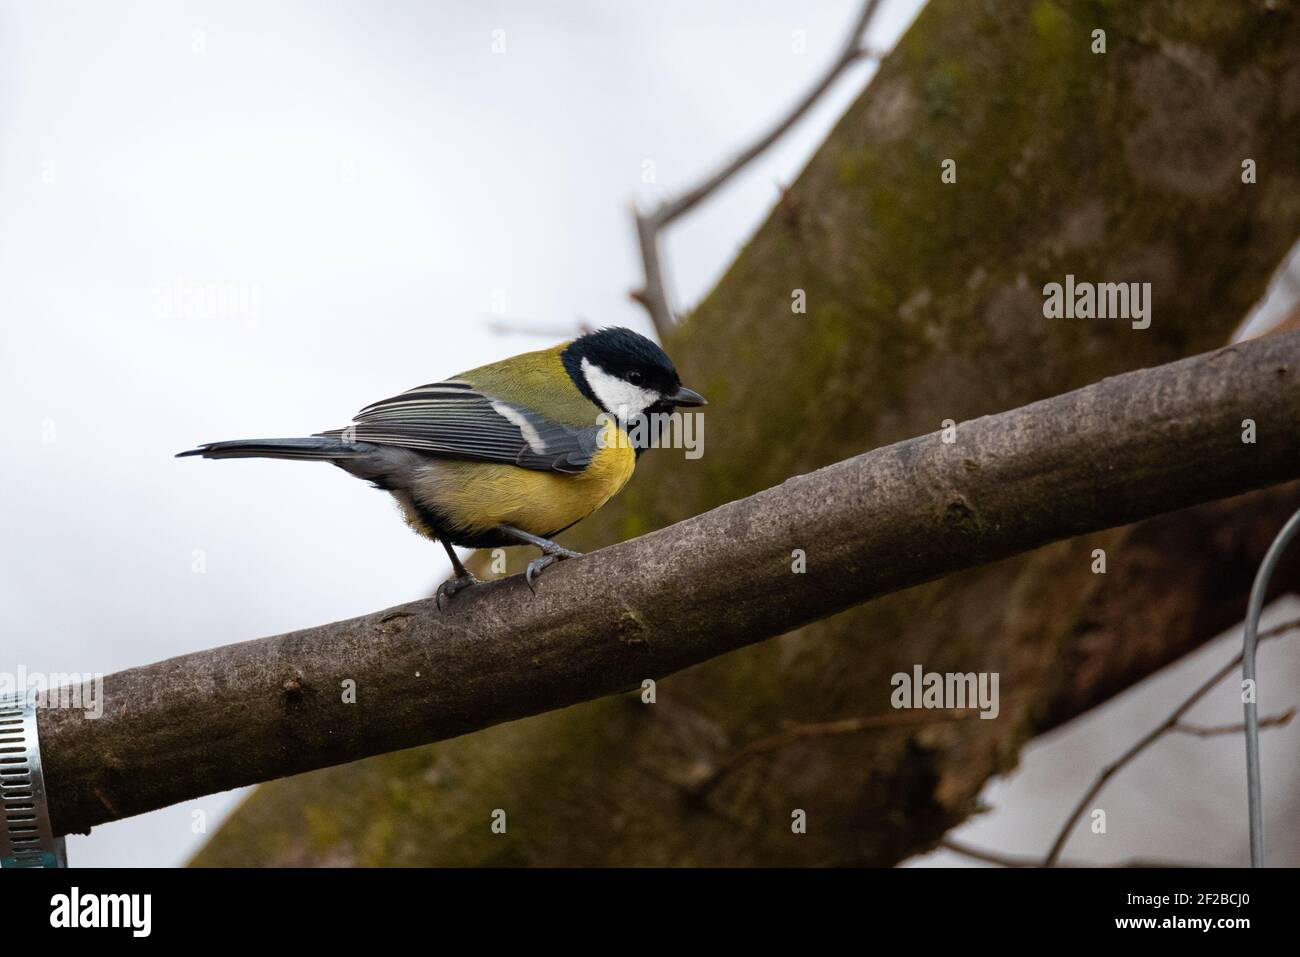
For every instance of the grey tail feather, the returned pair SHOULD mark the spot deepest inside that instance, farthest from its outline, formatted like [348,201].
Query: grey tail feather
[317,448]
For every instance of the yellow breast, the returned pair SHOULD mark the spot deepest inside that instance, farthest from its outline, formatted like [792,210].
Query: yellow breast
[478,496]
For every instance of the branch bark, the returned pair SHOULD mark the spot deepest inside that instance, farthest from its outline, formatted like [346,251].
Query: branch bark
[1125,448]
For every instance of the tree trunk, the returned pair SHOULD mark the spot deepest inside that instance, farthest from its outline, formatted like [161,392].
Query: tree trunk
[924,303]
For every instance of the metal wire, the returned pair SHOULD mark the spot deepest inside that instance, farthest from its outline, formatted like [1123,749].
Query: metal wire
[1254,791]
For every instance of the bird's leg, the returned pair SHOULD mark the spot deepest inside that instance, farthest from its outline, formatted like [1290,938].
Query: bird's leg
[552,552]
[462,580]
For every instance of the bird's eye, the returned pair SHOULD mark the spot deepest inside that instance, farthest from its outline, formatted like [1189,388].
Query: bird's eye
[634,377]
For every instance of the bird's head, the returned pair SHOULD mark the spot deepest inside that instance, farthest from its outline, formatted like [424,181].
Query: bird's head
[626,374]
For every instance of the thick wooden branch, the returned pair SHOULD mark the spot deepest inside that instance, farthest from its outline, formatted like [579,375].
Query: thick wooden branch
[1120,450]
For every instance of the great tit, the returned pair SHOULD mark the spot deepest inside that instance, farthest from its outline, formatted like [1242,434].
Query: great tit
[509,453]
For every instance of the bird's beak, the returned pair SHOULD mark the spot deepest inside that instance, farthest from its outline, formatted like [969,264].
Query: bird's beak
[686,397]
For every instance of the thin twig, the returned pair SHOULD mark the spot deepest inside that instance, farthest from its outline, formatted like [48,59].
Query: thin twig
[520,327]
[988,857]
[1150,738]
[795,732]
[1008,860]
[653,294]
[1200,731]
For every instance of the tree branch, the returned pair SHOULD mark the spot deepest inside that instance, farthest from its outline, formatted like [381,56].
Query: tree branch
[654,294]
[1106,455]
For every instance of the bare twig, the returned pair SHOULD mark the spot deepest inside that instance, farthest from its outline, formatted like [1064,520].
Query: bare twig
[520,327]
[653,294]
[988,857]
[1010,860]
[1201,731]
[796,732]
[1169,724]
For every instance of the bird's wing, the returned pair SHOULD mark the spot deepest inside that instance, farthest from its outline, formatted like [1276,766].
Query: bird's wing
[455,420]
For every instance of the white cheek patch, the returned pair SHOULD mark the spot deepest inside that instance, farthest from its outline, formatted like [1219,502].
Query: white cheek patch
[620,397]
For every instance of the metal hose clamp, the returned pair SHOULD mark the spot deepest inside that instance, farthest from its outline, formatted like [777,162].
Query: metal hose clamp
[26,837]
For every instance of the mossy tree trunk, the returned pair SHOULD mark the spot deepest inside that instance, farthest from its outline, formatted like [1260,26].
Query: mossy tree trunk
[924,303]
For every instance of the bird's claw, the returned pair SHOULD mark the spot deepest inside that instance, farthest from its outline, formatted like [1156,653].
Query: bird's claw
[535,568]
[448,589]
[556,553]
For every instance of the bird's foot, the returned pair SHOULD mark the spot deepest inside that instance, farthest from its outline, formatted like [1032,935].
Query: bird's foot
[535,568]
[451,586]
[556,553]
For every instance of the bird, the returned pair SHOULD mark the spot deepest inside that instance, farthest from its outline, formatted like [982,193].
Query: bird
[510,453]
